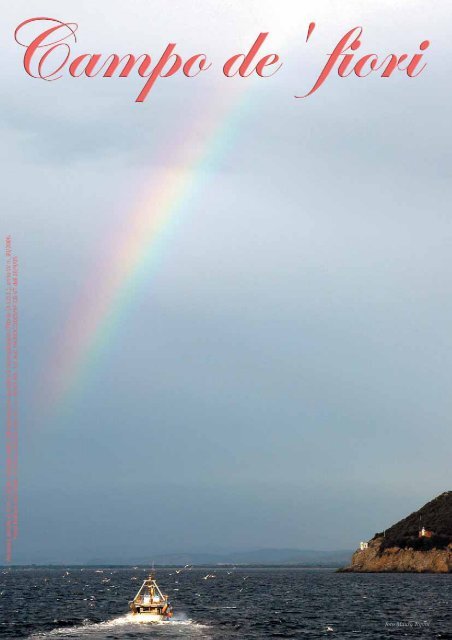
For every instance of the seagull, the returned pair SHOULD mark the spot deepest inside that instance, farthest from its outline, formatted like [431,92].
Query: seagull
[329,628]
[187,566]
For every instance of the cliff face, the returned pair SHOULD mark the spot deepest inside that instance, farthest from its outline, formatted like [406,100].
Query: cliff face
[397,559]
[400,548]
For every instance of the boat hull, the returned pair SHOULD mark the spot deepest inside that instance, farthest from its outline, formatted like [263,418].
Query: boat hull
[147,616]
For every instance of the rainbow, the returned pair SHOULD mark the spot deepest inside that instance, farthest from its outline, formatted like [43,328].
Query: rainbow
[135,251]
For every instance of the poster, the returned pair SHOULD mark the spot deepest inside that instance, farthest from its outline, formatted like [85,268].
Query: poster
[226,317]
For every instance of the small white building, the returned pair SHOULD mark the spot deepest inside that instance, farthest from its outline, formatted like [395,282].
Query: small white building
[363,545]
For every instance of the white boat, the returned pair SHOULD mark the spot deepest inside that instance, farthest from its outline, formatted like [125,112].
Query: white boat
[150,604]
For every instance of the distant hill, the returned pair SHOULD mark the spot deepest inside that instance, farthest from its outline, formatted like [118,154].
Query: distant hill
[435,516]
[306,557]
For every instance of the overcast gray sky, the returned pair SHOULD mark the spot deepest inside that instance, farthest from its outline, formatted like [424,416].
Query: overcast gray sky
[282,376]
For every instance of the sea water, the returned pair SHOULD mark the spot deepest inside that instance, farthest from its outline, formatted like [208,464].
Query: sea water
[240,603]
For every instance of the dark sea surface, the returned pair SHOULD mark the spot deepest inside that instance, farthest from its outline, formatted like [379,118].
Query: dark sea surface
[258,603]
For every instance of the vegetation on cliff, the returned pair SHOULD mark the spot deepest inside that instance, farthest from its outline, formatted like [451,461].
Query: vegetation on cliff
[435,516]
[421,542]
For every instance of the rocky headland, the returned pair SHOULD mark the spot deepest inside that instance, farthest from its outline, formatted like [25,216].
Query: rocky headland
[420,543]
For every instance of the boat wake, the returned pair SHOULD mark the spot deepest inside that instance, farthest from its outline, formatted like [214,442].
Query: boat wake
[122,626]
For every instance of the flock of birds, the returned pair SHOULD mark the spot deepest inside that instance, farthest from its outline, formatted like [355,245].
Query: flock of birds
[211,576]
[177,572]
[208,576]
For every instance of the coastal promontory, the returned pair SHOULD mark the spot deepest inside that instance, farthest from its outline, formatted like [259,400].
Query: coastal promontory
[420,543]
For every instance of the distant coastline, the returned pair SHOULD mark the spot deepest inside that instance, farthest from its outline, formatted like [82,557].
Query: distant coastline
[253,558]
